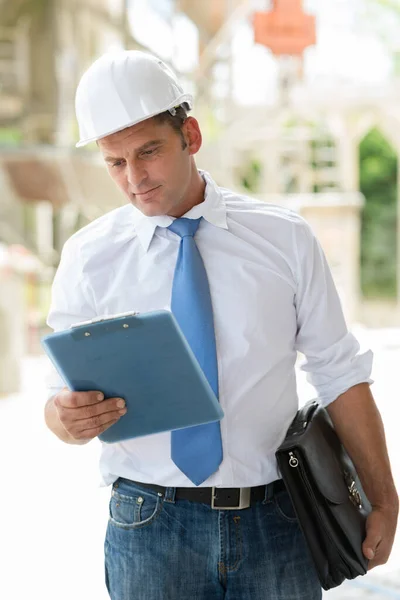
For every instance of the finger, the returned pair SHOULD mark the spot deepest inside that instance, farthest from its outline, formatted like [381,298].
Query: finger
[70,415]
[370,546]
[89,434]
[79,427]
[372,541]
[368,551]
[69,399]
[380,557]
[106,406]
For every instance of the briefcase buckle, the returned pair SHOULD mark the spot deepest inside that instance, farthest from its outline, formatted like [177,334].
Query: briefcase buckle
[355,495]
[240,498]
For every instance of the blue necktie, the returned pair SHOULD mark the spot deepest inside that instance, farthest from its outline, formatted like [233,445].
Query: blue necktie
[196,451]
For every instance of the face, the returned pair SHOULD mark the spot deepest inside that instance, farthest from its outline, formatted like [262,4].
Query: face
[148,163]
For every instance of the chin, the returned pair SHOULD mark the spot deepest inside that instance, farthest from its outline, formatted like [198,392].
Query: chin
[151,210]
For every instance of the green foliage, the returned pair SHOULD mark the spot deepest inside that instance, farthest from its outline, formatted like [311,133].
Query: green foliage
[10,136]
[378,183]
[391,4]
[251,175]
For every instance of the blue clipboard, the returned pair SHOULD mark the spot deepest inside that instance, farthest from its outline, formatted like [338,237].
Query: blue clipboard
[143,358]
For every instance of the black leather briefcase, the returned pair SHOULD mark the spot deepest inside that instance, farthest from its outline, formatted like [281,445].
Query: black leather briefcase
[327,495]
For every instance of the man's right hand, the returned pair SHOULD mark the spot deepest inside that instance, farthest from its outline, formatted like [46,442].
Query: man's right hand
[85,415]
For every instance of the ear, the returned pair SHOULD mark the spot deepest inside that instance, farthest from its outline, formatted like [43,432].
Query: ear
[192,134]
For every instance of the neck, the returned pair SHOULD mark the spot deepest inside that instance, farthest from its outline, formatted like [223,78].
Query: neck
[193,197]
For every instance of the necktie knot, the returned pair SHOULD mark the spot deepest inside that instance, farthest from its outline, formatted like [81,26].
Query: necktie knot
[185,227]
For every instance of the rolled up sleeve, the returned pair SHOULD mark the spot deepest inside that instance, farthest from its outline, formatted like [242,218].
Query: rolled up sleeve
[333,362]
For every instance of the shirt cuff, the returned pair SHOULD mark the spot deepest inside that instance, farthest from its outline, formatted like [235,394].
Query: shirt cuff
[338,368]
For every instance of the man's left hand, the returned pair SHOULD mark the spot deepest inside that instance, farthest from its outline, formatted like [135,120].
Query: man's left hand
[380,529]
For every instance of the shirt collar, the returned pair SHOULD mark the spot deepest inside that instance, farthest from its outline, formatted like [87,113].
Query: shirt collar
[213,210]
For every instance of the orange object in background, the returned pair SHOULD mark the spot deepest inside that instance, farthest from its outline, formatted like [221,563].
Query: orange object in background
[286,29]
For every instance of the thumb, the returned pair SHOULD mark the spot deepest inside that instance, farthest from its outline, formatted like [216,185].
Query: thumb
[373,538]
[368,552]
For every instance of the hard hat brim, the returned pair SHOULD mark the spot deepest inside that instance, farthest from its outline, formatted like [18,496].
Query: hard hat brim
[188,98]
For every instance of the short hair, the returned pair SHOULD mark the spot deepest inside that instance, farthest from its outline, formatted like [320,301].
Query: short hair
[176,118]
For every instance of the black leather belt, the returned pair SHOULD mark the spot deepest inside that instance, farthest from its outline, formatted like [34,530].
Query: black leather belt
[218,498]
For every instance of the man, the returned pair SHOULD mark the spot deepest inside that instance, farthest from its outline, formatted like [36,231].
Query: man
[271,294]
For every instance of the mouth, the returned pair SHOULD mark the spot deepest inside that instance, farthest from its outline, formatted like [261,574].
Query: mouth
[147,195]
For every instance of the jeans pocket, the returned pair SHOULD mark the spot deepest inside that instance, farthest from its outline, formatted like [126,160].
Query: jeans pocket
[284,507]
[134,511]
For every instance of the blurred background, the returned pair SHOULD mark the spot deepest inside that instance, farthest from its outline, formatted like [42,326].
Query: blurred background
[299,104]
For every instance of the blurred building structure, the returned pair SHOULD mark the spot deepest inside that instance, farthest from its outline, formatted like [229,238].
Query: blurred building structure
[44,47]
[300,151]
[303,151]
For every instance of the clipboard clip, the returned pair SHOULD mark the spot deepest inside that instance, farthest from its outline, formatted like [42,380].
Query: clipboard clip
[104,318]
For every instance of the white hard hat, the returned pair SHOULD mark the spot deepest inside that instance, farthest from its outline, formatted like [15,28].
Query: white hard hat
[121,89]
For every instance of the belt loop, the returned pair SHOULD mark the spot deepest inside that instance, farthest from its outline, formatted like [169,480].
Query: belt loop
[269,493]
[170,495]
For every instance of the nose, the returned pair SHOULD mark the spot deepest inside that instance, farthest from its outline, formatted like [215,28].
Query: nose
[136,174]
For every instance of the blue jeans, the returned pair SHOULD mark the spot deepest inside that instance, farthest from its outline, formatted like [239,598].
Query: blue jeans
[160,549]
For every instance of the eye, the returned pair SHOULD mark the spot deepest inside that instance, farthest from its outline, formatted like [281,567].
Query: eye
[118,163]
[149,152]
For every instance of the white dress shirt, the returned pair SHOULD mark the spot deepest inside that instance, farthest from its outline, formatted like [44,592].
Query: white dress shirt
[272,295]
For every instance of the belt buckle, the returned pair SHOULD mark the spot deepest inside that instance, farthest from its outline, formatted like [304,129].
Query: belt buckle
[244,500]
